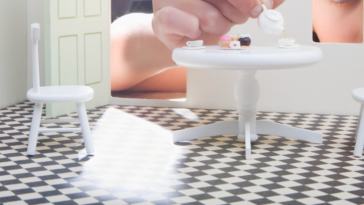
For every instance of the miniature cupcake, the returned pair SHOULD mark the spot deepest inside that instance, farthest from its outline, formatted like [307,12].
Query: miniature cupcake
[225,41]
[245,40]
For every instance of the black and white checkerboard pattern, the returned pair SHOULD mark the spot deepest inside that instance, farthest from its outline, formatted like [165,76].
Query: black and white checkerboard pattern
[137,163]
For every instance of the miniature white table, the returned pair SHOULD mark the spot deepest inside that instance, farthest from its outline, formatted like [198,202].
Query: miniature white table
[247,62]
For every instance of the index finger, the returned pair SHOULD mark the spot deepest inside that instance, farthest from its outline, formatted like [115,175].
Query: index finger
[253,8]
[277,3]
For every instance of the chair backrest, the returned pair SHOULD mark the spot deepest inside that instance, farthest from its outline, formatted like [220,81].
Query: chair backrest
[35,36]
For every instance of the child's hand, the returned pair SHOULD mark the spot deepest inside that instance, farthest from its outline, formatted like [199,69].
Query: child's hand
[177,21]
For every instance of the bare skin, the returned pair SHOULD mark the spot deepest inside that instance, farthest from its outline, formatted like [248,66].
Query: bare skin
[142,44]
[338,21]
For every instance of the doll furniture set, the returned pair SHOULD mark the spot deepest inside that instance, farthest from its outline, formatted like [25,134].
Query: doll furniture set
[246,61]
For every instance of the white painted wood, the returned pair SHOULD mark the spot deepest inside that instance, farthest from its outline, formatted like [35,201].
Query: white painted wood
[34,128]
[263,127]
[55,94]
[68,60]
[35,36]
[59,120]
[93,61]
[35,14]
[77,49]
[359,120]
[247,95]
[272,128]
[219,128]
[66,8]
[359,145]
[247,88]
[248,149]
[257,57]
[86,132]
[66,93]
[358,95]
[92,7]
[60,130]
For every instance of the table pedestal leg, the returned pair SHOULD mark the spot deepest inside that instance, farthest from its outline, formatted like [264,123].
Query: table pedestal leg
[247,127]
[247,96]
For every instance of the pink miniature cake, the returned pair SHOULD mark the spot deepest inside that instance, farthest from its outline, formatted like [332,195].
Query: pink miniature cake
[225,41]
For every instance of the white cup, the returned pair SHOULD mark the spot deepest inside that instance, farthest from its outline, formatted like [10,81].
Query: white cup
[195,43]
[287,41]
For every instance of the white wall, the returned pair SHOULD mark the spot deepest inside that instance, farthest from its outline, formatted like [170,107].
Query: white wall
[13,52]
[324,88]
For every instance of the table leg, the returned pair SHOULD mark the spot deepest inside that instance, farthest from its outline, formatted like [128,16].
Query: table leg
[248,149]
[215,129]
[247,96]
[247,127]
[273,128]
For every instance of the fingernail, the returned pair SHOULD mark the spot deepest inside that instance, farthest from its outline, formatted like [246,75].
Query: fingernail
[256,11]
[267,3]
[195,34]
[198,33]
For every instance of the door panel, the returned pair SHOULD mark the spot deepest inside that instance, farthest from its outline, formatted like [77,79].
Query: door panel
[77,49]
[93,58]
[68,65]
[67,9]
[92,8]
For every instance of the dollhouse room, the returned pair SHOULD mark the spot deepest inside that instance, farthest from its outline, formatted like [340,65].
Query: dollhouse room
[240,102]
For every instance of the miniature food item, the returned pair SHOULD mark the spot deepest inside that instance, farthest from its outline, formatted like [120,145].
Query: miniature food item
[234,37]
[234,44]
[245,40]
[225,41]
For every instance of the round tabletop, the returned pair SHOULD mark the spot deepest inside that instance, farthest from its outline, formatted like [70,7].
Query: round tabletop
[257,57]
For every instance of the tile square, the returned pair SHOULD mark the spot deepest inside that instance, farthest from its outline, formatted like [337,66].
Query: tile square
[30,196]
[58,198]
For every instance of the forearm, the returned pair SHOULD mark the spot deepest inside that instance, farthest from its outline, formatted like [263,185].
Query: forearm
[136,54]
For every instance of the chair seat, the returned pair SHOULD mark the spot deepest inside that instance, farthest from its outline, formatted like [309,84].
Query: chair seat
[358,94]
[70,93]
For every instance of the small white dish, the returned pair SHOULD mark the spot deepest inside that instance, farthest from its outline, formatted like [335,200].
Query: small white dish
[287,41]
[292,46]
[229,49]
[194,47]
[195,43]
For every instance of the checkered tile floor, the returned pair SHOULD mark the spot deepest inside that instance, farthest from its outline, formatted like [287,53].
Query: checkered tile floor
[137,163]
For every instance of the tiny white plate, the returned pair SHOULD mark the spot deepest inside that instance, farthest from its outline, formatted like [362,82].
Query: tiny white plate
[231,49]
[293,46]
[194,47]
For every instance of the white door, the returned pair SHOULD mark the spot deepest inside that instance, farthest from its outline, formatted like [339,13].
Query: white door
[77,49]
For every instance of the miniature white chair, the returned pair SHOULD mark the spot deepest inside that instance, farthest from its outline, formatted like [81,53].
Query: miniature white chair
[358,95]
[53,94]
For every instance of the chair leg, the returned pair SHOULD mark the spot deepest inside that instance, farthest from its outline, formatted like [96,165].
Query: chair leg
[359,145]
[33,134]
[359,119]
[86,132]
